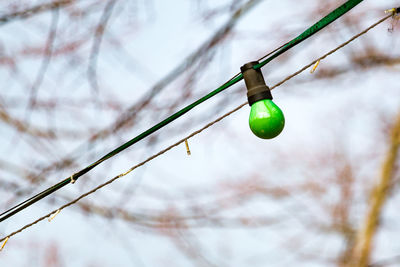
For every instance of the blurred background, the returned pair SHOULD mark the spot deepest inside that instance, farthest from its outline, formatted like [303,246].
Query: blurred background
[79,78]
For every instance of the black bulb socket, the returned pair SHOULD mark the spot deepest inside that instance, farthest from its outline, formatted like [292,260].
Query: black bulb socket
[256,88]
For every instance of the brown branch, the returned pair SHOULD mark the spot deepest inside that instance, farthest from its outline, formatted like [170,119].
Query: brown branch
[46,58]
[98,37]
[26,13]
[20,126]
[380,193]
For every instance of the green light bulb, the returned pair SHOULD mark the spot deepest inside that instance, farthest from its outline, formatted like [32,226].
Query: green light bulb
[266,119]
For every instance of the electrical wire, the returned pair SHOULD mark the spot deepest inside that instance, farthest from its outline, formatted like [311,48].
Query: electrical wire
[193,133]
[335,14]
[325,21]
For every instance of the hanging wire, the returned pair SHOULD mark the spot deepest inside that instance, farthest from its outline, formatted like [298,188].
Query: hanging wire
[335,14]
[192,134]
[322,23]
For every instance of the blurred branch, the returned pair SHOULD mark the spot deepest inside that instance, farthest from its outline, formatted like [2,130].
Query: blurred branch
[358,63]
[188,245]
[40,8]
[46,58]
[48,134]
[362,248]
[386,262]
[97,39]
[170,218]
[20,126]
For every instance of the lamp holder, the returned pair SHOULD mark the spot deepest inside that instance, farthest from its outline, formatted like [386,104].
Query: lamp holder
[256,88]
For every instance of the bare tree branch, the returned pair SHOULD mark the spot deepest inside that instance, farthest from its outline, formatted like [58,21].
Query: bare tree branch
[40,8]
[97,40]
[46,58]
[362,250]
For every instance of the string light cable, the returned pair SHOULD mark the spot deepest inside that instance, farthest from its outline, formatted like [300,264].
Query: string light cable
[56,211]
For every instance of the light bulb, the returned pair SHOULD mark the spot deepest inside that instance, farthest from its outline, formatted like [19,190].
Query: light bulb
[266,119]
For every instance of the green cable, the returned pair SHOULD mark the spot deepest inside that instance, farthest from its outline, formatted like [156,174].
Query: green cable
[325,21]
[340,11]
